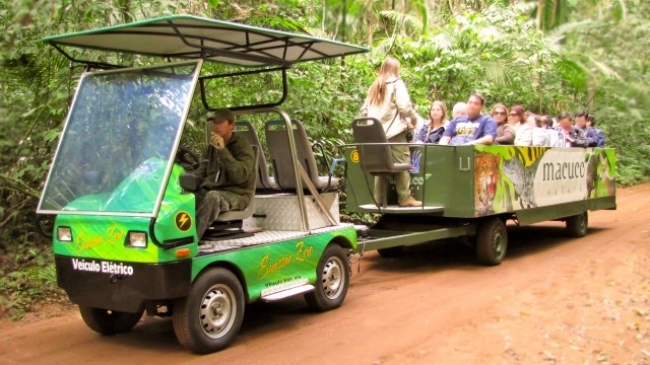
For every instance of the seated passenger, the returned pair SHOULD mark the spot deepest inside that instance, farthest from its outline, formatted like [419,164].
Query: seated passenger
[459,110]
[540,134]
[226,174]
[505,132]
[591,123]
[532,134]
[572,136]
[432,132]
[554,137]
[473,128]
[524,135]
[590,134]
[516,118]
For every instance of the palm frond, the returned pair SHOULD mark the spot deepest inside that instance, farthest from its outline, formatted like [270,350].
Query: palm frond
[402,19]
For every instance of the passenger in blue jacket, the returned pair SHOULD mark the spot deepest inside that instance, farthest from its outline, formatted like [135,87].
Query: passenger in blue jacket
[474,128]
[590,134]
[432,132]
[591,122]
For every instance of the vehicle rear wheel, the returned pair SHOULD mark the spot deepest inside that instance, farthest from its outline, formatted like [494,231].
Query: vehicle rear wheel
[491,242]
[391,252]
[210,317]
[577,225]
[109,322]
[332,280]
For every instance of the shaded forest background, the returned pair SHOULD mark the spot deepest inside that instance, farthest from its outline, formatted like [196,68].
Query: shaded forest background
[548,55]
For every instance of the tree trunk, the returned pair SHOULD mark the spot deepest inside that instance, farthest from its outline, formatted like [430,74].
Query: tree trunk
[540,13]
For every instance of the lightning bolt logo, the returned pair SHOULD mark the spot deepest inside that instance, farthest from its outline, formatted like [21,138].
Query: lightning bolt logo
[183,221]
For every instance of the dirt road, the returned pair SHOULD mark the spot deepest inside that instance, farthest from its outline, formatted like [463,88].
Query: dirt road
[553,301]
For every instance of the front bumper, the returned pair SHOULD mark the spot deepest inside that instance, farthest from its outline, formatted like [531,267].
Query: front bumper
[121,286]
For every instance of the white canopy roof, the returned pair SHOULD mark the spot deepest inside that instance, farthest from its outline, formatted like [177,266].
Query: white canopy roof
[191,37]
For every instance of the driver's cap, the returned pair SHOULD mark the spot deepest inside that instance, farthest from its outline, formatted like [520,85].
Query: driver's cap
[221,115]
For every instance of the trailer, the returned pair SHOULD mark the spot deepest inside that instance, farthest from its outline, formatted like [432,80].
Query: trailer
[472,191]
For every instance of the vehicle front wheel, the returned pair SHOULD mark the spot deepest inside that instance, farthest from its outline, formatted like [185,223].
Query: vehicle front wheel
[210,317]
[109,322]
[491,242]
[577,225]
[332,280]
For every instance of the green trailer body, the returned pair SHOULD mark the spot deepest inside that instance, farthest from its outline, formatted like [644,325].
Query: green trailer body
[467,185]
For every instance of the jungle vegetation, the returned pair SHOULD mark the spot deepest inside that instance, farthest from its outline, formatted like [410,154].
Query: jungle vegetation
[547,55]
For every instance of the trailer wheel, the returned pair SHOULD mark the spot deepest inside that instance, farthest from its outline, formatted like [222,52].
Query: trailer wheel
[577,225]
[391,252]
[108,322]
[491,242]
[210,317]
[332,280]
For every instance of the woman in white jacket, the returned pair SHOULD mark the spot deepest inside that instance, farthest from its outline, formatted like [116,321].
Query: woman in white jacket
[532,133]
[388,101]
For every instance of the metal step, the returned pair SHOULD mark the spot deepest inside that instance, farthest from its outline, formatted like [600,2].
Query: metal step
[372,208]
[288,293]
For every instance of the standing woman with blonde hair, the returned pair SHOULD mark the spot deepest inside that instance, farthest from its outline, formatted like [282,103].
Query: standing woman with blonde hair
[388,101]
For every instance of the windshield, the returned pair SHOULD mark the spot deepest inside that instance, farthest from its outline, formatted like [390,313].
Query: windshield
[117,147]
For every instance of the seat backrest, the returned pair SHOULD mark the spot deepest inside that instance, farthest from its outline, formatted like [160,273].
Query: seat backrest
[246,130]
[235,215]
[278,141]
[375,159]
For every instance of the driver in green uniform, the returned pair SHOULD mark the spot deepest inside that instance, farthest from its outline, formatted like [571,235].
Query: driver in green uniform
[226,174]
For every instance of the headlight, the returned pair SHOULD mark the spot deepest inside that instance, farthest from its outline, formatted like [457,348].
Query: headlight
[64,234]
[137,239]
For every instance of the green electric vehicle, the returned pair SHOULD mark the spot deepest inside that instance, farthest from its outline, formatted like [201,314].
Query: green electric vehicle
[121,190]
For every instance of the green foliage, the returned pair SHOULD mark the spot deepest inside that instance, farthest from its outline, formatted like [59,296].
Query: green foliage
[591,55]
[27,277]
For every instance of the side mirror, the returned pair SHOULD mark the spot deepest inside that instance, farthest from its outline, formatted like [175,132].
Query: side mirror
[189,182]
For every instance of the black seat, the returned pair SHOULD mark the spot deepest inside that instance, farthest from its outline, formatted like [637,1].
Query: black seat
[277,140]
[375,154]
[264,180]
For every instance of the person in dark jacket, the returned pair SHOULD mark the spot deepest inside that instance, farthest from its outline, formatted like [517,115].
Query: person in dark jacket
[226,174]
[590,134]
[591,123]
[505,132]
[432,131]
[573,136]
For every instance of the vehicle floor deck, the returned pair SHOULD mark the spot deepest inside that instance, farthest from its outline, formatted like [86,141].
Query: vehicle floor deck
[262,237]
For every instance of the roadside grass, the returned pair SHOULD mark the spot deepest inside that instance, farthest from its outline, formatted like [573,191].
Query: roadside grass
[27,281]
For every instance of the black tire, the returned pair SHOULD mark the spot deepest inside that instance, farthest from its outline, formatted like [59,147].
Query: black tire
[391,252]
[210,317]
[108,322]
[577,225]
[332,280]
[491,242]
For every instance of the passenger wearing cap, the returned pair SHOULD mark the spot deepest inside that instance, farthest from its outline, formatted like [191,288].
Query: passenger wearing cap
[227,171]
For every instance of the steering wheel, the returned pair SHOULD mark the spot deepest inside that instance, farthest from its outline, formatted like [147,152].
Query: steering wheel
[186,158]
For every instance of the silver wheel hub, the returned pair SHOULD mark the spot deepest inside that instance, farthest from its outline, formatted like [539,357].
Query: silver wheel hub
[497,243]
[333,277]
[217,311]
